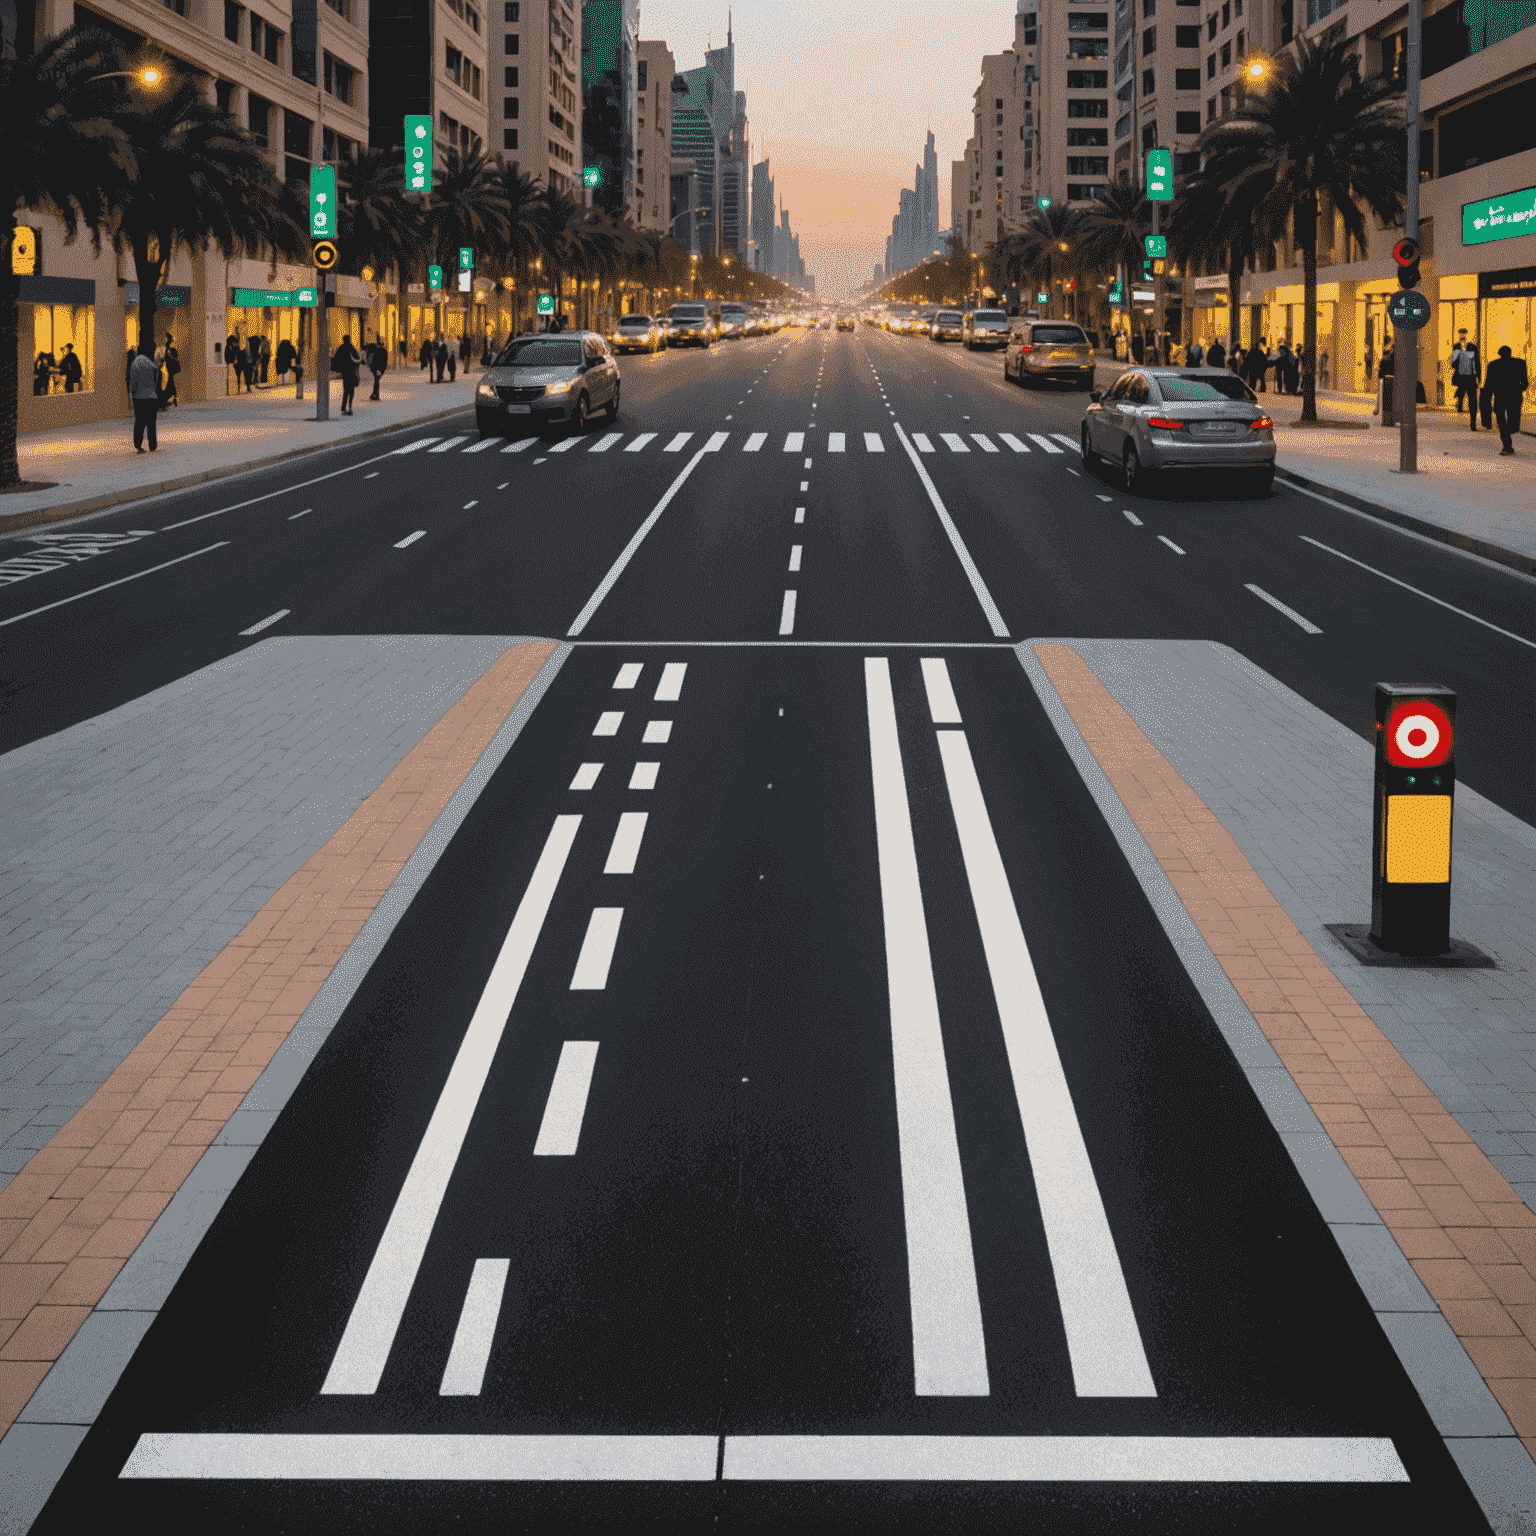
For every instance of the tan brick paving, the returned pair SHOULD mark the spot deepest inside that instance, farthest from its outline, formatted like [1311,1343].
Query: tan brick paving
[1470,1238]
[74,1215]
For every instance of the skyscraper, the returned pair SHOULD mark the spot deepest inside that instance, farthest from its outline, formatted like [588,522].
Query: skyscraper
[763,203]
[915,228]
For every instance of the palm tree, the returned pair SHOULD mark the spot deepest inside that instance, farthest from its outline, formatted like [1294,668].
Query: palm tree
[1213,229]
[1045,245]
[467,206]
[62,156]
[1110,234]
[1317,129]
[524,197]
[377,226]
[201,181]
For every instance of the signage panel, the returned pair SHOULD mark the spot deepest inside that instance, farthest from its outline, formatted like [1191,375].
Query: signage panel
[418,153]
[1499,218]
[322,202]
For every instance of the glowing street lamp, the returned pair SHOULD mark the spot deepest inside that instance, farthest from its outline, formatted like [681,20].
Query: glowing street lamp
[1257,70]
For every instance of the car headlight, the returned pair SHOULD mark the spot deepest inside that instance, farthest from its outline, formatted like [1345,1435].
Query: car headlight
[486,392]
[559,389]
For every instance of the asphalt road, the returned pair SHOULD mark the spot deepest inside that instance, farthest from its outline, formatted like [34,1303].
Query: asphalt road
[687,1112]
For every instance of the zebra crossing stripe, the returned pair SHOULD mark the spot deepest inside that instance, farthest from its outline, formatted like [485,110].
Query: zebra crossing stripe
[921,443]
[984,442]
[954,442]
[716,442]
[1044,442]
[421,442]
[1013,442]
[836,442]
[605,442]
[676,445]
[755,442]
[640,442]
[482,445]
[873,443]
[452,442]
[519,445]
[795,443]
[1061,437]
[564,445]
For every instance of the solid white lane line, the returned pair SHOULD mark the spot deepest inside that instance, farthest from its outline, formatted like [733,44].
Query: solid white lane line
[1013,442]
[836,442]
[716,442]
[657,733]
[370,1332]
[755,442]
[518,447]
[452,442]
[560,1129]
[794,556]
[16,618]
[873,443]
[1043,441]
[676,445]
[297,515]
[984,442]
[954,442]
[787,612]
[799,514]
[471,1352]
[268,622]
[605,586]
[1131,517]
[1101,497]
[411,538]
[1163,538]
[1418,592]
[1071,442]
[949,1354]
[794,442]
[640,442]
[608,723]
[591,973]
[482,445]
[670,688]
[586,776]
[564,445]
[1279,607]
[923,445]
[1108,1359]
[605,442]
[625,848]
[421,442]
[968,565]
[644,776]
[468,504]
[941,694]
[629,674]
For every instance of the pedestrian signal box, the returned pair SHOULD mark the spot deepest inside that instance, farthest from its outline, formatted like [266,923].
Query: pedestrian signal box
[1155,245]
[1406,254]
[325,255]
[466,258]
[1159,175]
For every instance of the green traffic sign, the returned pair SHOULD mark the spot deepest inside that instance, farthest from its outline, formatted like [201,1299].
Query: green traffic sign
[306,298]
[1408,310]
[1156,245]
[322,202]
[546,303]
[1042,298]
[1499,218]
[435,278]
[1116,293]
[418,153]
[466,258]
[1044,202]
[1159,175]
[592,176]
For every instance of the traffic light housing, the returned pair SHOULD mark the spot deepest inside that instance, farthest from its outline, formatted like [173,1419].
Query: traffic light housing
[325,255]
[1406,254]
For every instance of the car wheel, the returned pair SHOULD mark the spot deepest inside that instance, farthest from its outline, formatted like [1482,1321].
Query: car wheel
[1090,458]
[613,405]
[1131,465]
[579,417]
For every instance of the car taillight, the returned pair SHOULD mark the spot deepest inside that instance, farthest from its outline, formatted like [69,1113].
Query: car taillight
[1261,423]
[1025,347]
[1166,422]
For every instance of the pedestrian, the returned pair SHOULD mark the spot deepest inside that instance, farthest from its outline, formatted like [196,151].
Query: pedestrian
[440,358]
[464,350]
[1217,356]
[1370,361]
[453,364]
[1257,365]
[1293,372]
[265,356]
[42,373]
[144,391]
[378,361]
[1504,385]
[346,361]
[1466,372]
[1322,370]
[1196,355]
[426,358]
[234,357]
[402,350]
[172,368]
[252,360]
[1283,368]
[69,369]
[284,357]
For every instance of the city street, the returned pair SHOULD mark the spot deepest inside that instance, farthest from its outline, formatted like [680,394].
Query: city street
[780,1107]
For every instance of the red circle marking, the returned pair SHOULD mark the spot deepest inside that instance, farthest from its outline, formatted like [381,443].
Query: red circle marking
[1419,734]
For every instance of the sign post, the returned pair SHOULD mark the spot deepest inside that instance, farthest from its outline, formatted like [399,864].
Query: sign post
[1406,383]
[1159,191]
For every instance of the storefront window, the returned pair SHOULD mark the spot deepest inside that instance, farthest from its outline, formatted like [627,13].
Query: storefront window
[63,348]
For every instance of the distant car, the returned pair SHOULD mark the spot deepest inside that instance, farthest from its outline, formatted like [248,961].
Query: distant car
[546,381]
[948,325]
[637,333]
[845,322]
[1049,352]
[924,326]
[1152,420]
[826,322]
[689,325]
[733,322]
[985,328]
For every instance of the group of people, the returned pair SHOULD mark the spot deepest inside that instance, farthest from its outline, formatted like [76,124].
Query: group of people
[1502,386]
[66,370]
[347,362]
[440,358]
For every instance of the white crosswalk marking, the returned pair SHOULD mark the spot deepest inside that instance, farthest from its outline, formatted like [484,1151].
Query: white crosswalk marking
[984,442]
[795,443]
[954,442]
[605,442]
[564,445]
[452,442]
[1044,442]
[921,443]
[519,445]
[421,442]
[676,445]
[1013,442]
[482,445]
[1061,437]
[873,443]
[836,442]
[755,442]
[640,442]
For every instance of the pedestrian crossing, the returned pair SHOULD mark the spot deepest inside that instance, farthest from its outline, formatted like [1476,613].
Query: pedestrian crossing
[757,442]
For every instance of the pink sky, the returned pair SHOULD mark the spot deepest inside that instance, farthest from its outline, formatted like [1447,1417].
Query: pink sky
[839,98]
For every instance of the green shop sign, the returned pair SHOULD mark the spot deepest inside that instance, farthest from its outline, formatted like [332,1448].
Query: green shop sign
[1499,218]
[274,298]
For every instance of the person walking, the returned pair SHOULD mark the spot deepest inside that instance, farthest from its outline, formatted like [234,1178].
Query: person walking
[346,361]
[265,357]
[1257,365]
[252,360]
[426,358]
[283,358]
[172,368]
[464,350]
[1217,356]
[1466,372]
[234,357]
[453,364]
[378,361]
[440,358]
[69,369]
[1504,386]
[1195,356]
[144,391]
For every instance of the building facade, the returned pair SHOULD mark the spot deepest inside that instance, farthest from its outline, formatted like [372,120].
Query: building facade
[610,41]
[535,119]
[654,71]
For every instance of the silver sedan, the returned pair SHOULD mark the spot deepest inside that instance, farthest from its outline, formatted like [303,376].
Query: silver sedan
[548,380]
[1156,419]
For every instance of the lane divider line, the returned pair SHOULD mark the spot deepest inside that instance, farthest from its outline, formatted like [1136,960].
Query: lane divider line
[1131,518]
[1163,538]
[591,973]
[464,1374]
[566,1108]
[941,694]
[266,623]
[411,538]
[795,551]
[625,849]
[787,612]
[16,618]
[1279,607]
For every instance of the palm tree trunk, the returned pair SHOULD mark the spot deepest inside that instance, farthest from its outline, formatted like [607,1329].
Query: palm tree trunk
[10,382]
[1234,293]
[1306,229]
[148,274]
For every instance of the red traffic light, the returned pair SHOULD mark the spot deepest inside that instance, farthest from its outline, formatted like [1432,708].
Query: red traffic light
[1405,252]
[1419,735]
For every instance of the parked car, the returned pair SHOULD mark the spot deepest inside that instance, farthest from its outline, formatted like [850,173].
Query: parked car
[1049,351]
[948,325]
[985,328]
[1152,420]
[637,333]
[689,325]
[546,381]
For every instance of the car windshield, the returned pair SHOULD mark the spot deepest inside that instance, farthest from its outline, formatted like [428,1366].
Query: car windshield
[1227,385]
[949,317]
[1188,389]
[989,317]
[688,312]
[1059,336]
[635,320]
[540,352]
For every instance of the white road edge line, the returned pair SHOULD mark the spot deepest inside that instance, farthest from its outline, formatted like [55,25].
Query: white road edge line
[1279,607]
[1131,518]
[464,1374]
[949,1356]
[16,618]
[566,1108]
[370,1332]
[1103,1340]
[978,586]
[411,538]
[605,586]
[266,623]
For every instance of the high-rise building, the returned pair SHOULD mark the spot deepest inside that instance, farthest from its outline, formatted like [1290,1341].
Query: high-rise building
[429,56]
[654,70]
[535,117]
[698,131]
[610,40]
[735,184]
[763,203]
[915,227]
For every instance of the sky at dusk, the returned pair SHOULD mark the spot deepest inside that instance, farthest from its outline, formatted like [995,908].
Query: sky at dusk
[839,98]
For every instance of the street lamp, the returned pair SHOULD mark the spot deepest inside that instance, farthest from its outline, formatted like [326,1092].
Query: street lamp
[1257,70]
[149,74]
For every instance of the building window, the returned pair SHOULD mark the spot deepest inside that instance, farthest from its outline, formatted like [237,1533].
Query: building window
[509,11]
[1186,37]
[1149,41]
[1148,82]
[1087,165]
[509,107]
[509,136]
[998,105]
[343,8]
[339,79]
[232,20]
[1210,109]
[512,43]
[1226,100]
[1076,107]
[1242,44]
[1287,21]
[1122,127]
[59,330]
[1186,79]
[1148,9]
[472,16]
[258,112]
[1186,122]
[1210,26]
[511,78]
[1087,138]
[1317,9]
[1149,136]
[1226,15]
[642,71]
[1087,79]
[1087,21]
[455,64]
[1029,30]
[1226,56]
[1210,66]
[296,147]
[1078,192]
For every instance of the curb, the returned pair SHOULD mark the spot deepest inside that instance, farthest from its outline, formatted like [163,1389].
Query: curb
[9,522]
[1525,564]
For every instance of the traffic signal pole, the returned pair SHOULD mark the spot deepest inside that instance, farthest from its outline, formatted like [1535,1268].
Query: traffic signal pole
[1407,383]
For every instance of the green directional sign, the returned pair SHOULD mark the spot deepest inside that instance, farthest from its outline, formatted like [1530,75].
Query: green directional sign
[592,176]
[1116,293]
[1159,175]
[1156,245]
[466,258]
[1044,202]
[1408,311]
[1042,298]
[418,153]
[322,202]
[434,278]
[1499,218]
[546,303]
[306,298]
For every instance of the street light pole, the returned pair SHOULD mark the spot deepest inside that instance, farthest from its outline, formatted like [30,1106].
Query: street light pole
[1407,371]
